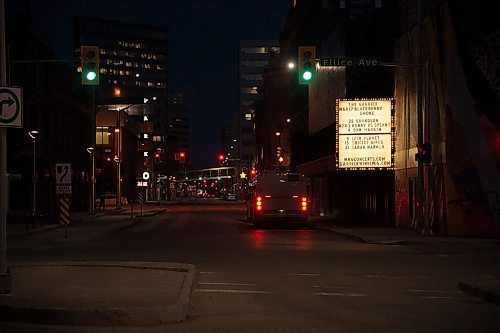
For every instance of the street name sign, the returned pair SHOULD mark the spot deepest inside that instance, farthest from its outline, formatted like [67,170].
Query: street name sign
[365,134]
[349,62]
[11,108]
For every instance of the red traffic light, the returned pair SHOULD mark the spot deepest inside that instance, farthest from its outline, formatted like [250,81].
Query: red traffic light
[157,155]
[182,154]
[221,157]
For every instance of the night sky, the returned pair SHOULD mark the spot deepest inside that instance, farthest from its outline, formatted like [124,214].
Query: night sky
[203,41]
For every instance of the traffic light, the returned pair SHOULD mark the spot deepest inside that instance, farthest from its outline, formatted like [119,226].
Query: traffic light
[424,153]
[306,64]
[182,157]
[221,159]
[90,65]
[157,158]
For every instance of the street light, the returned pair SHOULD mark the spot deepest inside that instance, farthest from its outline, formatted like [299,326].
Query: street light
[33,135]
[90,150]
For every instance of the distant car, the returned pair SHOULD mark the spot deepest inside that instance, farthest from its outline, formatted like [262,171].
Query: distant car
[229,197]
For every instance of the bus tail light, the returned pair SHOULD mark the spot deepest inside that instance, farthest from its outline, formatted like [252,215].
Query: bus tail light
[304,204]
[259,204]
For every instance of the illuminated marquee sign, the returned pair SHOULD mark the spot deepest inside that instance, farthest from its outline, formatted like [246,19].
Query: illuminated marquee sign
[365,134]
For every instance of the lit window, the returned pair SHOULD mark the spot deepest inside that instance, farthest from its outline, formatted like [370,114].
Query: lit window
[248,116]
[102,135]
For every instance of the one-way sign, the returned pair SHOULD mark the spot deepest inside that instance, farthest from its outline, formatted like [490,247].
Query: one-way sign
[11,114]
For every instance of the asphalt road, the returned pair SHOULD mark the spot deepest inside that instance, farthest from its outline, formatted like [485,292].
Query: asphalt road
[283,279]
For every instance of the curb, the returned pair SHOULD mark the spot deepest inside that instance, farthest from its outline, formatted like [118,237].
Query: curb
[361,239]
[112,316]
[487,295]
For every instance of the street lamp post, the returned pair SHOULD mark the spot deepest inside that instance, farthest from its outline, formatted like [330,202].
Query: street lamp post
[90,150]
[33,135]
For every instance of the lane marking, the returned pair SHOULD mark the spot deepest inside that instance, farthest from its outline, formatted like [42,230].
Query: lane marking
[379,276]
[436,297]
[227,284]
[430,291]
[234,291]
[303,274]
[332,287]
[208,272]
[340,294]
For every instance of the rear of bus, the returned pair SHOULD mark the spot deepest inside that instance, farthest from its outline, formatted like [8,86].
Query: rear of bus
[279,196]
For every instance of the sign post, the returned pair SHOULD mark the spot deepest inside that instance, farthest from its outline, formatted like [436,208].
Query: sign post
[5,278]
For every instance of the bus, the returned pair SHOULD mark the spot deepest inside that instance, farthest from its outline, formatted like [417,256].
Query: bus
[278,196]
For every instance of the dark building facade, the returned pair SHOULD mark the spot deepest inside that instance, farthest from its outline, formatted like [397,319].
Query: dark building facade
[55,105]
[178,134]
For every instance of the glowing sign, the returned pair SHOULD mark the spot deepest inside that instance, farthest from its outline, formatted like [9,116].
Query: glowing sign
[365,137]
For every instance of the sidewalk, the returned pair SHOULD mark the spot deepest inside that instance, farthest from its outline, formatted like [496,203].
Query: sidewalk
[489,291]
[390,235]
[98,293]
[21,229]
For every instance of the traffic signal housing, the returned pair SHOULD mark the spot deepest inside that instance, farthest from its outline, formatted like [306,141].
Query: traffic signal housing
[90,65]
[306,64]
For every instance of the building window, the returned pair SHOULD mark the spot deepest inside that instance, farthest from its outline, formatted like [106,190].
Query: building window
[254,63]
[252,77]
[157,138]
[254,50]
[248,116]
[102,135]
[249,90]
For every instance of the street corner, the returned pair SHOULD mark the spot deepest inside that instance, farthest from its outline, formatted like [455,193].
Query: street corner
[148,294]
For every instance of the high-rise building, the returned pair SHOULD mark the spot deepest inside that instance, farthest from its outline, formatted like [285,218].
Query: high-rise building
[132,79]
[253,58]
[177,150]
[133,58]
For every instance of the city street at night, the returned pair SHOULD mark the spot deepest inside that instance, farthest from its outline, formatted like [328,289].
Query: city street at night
[249,166]
[282,278]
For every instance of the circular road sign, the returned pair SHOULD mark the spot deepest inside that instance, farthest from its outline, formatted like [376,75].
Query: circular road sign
[10,107]
[145,175]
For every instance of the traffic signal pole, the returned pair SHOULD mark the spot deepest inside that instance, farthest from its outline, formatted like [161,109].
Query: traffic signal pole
[5,283]
[421,219]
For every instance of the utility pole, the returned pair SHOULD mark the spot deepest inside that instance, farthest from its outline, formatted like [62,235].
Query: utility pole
[5,278]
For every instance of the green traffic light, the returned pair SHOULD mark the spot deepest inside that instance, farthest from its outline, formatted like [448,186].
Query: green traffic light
[307,75]
[91,75]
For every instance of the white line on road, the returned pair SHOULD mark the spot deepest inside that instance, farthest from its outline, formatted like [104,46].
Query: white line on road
[227,284]
[332,287]
[379,276]
[429,291]
[340,294]
[234,291]
[436,297]
[303,274]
